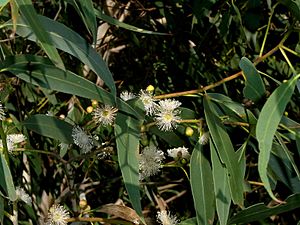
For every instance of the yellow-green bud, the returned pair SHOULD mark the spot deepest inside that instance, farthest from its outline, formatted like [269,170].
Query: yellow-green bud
[143,128]
[9,120]
[94,103]
[150,88]
[90,109]
[144,140]
[183,161]
[82,204]
[189,131]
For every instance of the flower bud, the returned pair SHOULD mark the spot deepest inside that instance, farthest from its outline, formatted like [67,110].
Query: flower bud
[150,88]
[9,120]
[89,109]
[94,103]
[82,204]
[189,131]
[143,128]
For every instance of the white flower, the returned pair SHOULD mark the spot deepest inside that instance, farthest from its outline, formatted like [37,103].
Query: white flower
[2,113]
[150,162]
[168,114]
[104,115]
[22,195]
[204,138]
[126,95]
[148,101]
[181,152]
[12,140]
[57,215]
[80,138]
[168,105]
[166,218]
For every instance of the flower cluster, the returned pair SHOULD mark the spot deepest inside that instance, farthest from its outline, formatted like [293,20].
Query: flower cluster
[150,161]
[80,138]
[12,140]
[104,115]
[165,218]
[148,101]
[22,195]
[126,95]
[179,153]
[57,215]
[167,114]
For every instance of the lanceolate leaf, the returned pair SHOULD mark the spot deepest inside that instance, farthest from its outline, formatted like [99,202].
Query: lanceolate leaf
[3,2]
[49,126]
[221,186]
[226,152]
[69,41]
[202,186]
[298,143]
[85,9]
[6,180]
[127,131]
[267,124]
[191,221]
[27,10]
[254,88]
[38,71]
[293,6]
[260,211]
[116,22]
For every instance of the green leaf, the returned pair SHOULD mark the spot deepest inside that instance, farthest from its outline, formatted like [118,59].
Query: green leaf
[282,171]
[170,137]
[298,143]
[267,124]
[221,186]
[288,154]
[3,3]
[255,88]
[1,209]
[118,23]
[6,180]
[27,10]
[201,184]
[236,111]
[127,132]
[38,71]
[49,126]
[226,152]
[293,6]
[282,168]
[260,211]
[69,41]
[85,9]
[190,221]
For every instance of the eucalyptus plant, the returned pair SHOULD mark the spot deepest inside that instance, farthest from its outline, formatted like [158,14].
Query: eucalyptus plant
[140,112]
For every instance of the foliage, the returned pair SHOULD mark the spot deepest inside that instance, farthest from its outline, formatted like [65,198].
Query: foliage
[207,131]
